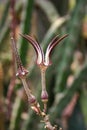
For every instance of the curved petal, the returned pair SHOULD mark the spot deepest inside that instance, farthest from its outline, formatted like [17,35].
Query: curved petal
[53,40]
[21,71]
[39,52]
[17,57]
[51,46]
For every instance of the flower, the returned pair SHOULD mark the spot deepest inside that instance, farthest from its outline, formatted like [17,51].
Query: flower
[43,60]
[21,71]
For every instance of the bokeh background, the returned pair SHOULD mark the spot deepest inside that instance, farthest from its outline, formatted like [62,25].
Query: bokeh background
[66,78]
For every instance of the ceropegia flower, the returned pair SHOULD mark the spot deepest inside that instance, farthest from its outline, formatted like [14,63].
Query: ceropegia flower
[21,73]
[43,60]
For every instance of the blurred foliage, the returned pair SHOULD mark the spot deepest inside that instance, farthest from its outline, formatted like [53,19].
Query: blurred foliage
[66,78]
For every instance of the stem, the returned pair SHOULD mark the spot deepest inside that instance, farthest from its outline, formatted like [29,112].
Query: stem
[35,106]
[48,124]
[45,107]
[31,98]
[26,87]
[44,94]
[43,81]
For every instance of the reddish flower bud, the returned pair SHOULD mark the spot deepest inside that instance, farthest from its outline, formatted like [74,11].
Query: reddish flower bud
[44,96]
[32,99]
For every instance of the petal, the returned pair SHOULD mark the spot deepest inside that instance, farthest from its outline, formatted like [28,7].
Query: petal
[51,46]
[21,72]
[39,52]
[16,55]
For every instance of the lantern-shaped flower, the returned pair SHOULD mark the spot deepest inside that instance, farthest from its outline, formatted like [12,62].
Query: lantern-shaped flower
[43,61]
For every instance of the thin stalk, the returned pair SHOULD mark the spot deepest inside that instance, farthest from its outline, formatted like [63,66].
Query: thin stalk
[43,80]
[26,87]
[44,94]
[48,124]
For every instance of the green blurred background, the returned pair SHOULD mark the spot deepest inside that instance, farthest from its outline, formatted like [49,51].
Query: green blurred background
[66,78]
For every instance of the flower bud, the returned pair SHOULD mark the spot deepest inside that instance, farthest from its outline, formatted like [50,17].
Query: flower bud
[32,99]
[44,96]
